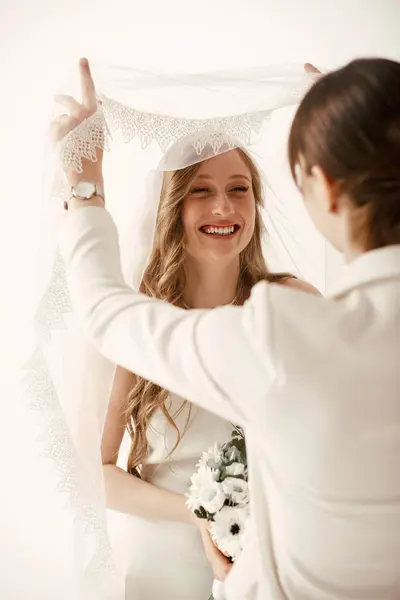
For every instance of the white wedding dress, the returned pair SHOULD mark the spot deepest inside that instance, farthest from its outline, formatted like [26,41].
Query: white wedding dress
[162,559]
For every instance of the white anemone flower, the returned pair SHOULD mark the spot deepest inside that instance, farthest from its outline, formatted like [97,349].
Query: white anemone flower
[206,492]
[210,498]
[228,529]
[213,498]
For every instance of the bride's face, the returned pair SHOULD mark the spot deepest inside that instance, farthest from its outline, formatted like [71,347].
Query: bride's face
[219,211]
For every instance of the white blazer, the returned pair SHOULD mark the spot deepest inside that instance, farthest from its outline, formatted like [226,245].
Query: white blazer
[316,384]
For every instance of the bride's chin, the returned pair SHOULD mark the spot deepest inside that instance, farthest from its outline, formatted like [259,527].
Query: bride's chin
[220,246]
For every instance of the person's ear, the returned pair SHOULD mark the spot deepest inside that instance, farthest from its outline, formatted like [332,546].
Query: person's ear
[324,188]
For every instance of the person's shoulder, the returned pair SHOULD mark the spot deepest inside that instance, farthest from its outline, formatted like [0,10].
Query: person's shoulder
[302,286]
[295,311]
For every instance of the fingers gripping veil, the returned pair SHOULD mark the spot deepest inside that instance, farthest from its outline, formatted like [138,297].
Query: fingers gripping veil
[147,124]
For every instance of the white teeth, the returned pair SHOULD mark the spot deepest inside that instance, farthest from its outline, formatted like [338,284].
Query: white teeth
[220,230]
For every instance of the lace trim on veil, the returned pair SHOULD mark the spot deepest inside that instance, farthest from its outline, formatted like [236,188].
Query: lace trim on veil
[92,547]
[96,133]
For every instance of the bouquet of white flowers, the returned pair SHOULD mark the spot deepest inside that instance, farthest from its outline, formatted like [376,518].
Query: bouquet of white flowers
[219,493]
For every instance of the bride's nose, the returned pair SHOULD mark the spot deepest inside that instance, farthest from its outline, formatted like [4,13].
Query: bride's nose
[222,206]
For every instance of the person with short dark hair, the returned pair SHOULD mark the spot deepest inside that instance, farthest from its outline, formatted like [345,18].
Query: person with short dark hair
[314,381]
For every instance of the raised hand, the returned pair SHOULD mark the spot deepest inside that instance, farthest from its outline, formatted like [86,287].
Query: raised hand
[77,112]
[220,564]
[313,71]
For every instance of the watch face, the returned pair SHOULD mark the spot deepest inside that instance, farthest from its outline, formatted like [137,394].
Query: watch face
[85,189]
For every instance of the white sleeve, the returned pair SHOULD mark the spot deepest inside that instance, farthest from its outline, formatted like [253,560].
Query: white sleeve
[210,357]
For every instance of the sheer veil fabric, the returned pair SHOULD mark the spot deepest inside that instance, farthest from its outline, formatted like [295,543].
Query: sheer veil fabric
[147,124]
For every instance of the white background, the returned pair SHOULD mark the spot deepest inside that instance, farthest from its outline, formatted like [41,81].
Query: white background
[38,41]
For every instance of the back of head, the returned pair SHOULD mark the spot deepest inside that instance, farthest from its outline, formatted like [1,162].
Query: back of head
[349,125]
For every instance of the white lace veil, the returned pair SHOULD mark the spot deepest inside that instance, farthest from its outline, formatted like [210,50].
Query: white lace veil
[152,123]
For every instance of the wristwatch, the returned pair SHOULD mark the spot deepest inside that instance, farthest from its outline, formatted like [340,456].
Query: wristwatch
[85,190]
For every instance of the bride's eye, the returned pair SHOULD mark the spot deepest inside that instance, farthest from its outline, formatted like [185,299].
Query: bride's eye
[240,189]
[200,190]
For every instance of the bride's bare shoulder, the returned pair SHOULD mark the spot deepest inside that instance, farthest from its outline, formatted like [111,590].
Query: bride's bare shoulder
[302,286]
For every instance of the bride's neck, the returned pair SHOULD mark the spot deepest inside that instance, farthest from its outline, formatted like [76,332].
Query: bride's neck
[210,285]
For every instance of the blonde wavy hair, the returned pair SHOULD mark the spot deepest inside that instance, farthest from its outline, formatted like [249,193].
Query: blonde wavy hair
[164,278]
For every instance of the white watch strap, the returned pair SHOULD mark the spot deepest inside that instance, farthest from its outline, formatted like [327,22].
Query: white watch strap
[218,590]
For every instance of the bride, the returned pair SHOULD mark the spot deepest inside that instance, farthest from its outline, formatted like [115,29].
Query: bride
[207,252]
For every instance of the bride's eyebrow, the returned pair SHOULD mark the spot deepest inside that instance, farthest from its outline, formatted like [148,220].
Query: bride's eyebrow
[238,175]
[203,177]
[242,175]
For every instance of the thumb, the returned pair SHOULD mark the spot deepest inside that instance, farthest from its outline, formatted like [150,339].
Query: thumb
[309,68]
[61,126]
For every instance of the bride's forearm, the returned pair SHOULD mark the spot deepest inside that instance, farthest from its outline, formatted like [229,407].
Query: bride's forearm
[133,496]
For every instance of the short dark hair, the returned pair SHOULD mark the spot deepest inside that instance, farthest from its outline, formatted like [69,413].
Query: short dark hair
[349,125]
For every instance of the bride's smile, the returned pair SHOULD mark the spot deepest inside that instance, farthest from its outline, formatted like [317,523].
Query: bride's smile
[223,230]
